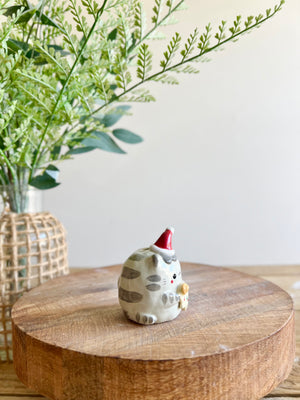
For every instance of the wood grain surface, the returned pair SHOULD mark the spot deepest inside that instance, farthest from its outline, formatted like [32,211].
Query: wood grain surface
[12,389]
[236,341]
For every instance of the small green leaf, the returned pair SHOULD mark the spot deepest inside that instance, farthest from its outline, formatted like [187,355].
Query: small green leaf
[16,45]
[110,119]
[52,171]
[113,117]
[113,34]
[56,152]
[12,10]
[32,54]
[43,182]
[45,20]
[133,39]
[47,180]
[127,136]
[102,141]
[58,49]
[80,150]
[38,56]
[25,16]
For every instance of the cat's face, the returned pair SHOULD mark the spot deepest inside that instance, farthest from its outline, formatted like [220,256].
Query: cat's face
[170,273]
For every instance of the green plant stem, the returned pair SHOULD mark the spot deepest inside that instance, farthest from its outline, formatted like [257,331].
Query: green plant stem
[9,166]
[39,29]
[3,176]
[66,33]
[37,154]
[30,32]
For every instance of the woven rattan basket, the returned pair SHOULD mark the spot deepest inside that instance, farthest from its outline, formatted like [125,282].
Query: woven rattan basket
[33,249]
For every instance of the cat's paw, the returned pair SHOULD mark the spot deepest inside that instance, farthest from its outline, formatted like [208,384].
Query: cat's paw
[170,298]
[145,319]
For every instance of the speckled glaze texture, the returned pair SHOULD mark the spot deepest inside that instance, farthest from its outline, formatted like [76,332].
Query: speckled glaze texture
[151,288]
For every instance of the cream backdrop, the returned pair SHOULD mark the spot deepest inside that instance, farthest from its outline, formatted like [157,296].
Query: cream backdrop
[220,159]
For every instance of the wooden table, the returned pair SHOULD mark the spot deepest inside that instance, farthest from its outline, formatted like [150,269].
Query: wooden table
[287,277]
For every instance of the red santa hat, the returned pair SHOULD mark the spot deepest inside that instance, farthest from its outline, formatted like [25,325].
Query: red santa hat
[163,245]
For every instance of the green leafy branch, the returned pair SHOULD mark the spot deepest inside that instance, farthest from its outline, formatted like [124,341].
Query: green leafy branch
[157,11]
[91,7]
[203,45]
[204,41]
[139,21]
[173,46]
[80,20]
[160,22]
[144,61]
[189,45]
[221,35]
[38,155]
[61,84]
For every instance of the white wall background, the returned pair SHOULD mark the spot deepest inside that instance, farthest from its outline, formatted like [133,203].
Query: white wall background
[220,159]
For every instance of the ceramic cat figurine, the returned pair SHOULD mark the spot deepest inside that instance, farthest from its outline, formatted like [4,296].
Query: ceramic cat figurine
[151,289]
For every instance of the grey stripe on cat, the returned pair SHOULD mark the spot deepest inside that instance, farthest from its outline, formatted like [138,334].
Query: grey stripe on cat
[153,287]
[155,260]
[130,273]
[129,297]
[171,297]
[154,278]
[169,259]
[136,257]
[164,298]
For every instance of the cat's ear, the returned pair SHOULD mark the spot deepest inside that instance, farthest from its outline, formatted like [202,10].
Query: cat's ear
[155,260]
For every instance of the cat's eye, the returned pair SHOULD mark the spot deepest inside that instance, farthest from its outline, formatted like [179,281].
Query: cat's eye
[174,276]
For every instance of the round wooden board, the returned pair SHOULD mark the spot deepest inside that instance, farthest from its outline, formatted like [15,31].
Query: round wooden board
[235,341]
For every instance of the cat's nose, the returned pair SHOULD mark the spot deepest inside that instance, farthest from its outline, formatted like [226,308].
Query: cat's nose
[185,288]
